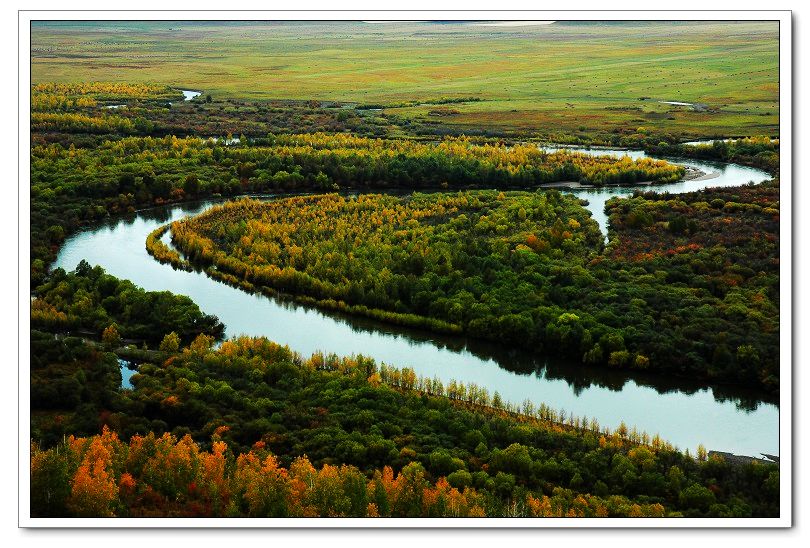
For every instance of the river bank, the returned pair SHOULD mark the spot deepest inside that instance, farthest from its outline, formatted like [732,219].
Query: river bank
[683,412]
[692,174]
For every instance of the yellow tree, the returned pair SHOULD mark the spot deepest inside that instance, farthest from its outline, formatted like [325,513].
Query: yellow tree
[170,343]
[111,337]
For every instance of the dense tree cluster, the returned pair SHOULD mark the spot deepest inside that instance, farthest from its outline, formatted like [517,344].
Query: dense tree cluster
[72,385]
[525,269]
[375,254]
[106,91]
[74,186]
[719,250]
[255,120]
[56,121]
[226,433]
[457,161]
[166,477]
[49,102]
[90,301]
[232,122]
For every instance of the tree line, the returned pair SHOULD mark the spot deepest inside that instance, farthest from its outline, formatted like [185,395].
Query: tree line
[203,426]
[73,186]
[89,300]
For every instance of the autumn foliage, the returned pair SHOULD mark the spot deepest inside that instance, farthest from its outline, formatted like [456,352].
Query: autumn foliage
[164,476]
[254,429]
[522,268]
[687,285]
[723,245]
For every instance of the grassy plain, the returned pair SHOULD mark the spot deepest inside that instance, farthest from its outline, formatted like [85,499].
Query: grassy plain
[564,78]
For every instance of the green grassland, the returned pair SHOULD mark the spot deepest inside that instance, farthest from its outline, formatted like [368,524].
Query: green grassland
[566,78]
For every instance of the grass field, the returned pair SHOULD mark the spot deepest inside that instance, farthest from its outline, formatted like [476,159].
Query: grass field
[566,77]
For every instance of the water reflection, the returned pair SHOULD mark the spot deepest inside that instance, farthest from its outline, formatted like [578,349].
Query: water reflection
[685,413]
[580,377]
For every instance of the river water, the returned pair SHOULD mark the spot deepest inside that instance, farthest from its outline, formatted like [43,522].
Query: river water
[717,174]
[685,414]
[126,374]
[188,94]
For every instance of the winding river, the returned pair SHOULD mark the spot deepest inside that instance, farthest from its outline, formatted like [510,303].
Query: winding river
[686,414]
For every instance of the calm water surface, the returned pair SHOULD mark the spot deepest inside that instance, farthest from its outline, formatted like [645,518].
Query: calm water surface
[126,374]
[188,94]
[683,413]
[717,174]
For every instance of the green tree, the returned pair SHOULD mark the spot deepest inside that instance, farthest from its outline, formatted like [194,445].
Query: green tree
[170,343]
[697,496]
[412,483]
[191,186]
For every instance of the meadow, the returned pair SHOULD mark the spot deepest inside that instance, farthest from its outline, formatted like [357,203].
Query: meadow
[567,79]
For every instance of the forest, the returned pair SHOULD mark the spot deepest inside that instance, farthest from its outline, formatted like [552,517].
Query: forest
[90,301]
[759,151]
[664,295]
[413,220]
[252,429]
[71,187]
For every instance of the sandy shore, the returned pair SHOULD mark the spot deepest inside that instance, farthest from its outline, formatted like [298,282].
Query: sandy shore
[705,176]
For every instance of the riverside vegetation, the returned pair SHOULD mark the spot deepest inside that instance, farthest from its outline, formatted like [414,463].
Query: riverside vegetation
[73,186]
[686,285]
[252,429]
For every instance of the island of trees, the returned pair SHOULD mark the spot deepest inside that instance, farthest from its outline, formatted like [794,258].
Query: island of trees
[669,293]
